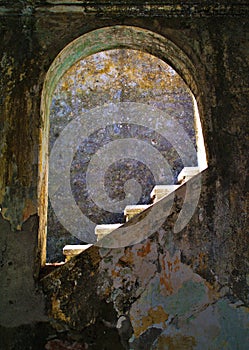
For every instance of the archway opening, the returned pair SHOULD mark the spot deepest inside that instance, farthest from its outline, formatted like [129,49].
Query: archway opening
[119,75]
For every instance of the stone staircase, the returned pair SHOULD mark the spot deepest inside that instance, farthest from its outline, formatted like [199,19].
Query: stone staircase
[159,192]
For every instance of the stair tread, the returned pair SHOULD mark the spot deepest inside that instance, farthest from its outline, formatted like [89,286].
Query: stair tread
[132,210]
[135,207]
[188,172]
[163,189]
[106,228]
[72,249]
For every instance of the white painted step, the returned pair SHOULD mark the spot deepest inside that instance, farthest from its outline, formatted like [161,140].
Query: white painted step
[72,250]
[104,229]
[187,173]
[131,210]
[160,191]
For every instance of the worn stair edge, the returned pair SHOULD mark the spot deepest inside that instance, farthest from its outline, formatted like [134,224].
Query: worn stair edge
[160,191]
[104,229]
[74,249]
[131,210]
[187,173]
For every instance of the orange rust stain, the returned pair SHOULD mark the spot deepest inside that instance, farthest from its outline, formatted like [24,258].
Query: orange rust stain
[202,261]
[165,279]
[177,264]
[145,250]
[128,257]
[115,273]
[167,284]
[177,260]
[29,209]
[169,265]
[177,268]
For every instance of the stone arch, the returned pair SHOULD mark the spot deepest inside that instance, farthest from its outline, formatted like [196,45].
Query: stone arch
[90,43]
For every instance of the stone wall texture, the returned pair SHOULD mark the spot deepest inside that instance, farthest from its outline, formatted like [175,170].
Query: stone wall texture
[174,290]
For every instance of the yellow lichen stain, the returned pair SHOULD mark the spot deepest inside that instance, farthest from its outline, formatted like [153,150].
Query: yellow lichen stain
[154,316]
[108,66]
[65,85]
[22,76]
[56,311]
[9,70]
[176,342]
[145,250]
[102,70]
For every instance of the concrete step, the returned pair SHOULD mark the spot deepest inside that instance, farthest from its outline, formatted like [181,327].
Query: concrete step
[187,173]
[160,191]
[104,229]
[132,210]
[72,250]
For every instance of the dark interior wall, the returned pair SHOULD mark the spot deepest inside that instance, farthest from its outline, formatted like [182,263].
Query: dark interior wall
[215,38]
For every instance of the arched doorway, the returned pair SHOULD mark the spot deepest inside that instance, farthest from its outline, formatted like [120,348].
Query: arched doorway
[111,38]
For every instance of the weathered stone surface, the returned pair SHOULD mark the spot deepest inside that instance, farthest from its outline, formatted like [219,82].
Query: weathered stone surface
[188,289]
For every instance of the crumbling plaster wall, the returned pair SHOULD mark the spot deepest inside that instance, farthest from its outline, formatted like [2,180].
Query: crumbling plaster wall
[217,253]
[164,291]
